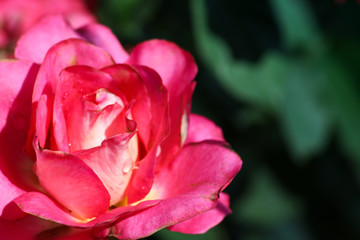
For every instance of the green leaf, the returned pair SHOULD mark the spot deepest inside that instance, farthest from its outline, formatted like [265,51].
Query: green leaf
[266,204]
[260,84]
[346,105]
[213,234]
[306,117]
[127,17]
[297,25]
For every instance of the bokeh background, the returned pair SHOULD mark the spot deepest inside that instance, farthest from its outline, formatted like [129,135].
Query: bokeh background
[281,77]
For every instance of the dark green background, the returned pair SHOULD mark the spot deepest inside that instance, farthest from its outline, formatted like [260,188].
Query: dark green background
[281,77]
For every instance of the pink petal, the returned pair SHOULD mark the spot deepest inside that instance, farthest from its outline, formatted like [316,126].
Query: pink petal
[65,233]
[189,187]
[209,163]
[143,87]
[60,56]
[87,109]
[72,183]
[44,207]
[204,221]
[16,78]
[26,228]
[143,177]
[40,205]
[43,118]
[201,128]
[113,162]
[168,212]
[64,54]
[34,44]
[102,36]
[175,66]
[177,70]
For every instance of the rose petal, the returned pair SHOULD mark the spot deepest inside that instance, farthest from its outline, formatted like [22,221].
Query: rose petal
[143,87]
[175,66]
[44,207]
[34,44]
[87,109]
[177,70]
[27,228]
[204,221]
[72,183]
[16,78]
[60,56]
[65,233]
[64,54]
[143,177]
[43,118]
[102,36]
[113,162]
[201,128]
[40,205]
[189,187]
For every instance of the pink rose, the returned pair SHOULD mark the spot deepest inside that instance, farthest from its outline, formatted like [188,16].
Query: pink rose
[16,16]
[95,142]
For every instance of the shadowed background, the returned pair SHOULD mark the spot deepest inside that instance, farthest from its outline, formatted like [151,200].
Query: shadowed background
[281,77]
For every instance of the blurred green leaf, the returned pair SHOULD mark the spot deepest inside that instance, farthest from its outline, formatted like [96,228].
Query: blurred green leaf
[287,87]
[127,17]
[266,203]
[260,84]
[306,118]
[297,25]
[215,233]
[346,104]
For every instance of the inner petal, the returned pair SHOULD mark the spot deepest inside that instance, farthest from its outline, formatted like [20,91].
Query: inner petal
[95,117]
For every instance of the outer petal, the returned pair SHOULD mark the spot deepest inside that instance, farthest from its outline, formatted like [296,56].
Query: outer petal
[27,228]
[65,233]
[177,70]
[44,207]
[72,183]
[190,187]
[201,128]
[103,37]
[16,79]
[175,66]
[204,221]
[34,44]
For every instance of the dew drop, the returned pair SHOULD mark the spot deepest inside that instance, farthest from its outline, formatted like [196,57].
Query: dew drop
[127,168]
[66,94]
[158,151]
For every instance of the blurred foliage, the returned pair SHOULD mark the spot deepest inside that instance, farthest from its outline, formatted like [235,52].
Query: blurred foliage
[281,78]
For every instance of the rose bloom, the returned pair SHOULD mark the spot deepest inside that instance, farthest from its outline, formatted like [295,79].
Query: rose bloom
[96,142]
[16,16]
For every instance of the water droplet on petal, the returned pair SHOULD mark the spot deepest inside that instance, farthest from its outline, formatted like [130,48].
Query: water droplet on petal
[158,151]
[127,168]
